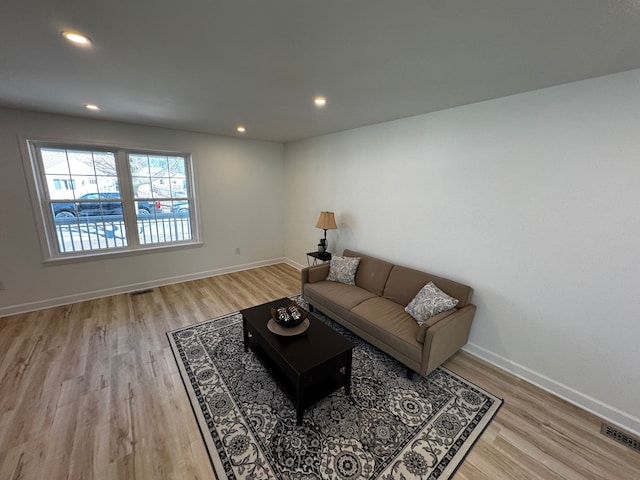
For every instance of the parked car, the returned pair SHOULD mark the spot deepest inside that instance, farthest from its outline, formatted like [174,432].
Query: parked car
[80,208]
[181,208]
[146,208]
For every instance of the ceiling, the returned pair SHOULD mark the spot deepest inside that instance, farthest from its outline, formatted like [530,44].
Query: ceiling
[208,65]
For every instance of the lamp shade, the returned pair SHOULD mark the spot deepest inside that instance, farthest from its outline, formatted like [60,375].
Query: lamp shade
[326,221]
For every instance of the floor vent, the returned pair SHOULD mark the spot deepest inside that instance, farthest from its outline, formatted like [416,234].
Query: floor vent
[621,437]
[140,292]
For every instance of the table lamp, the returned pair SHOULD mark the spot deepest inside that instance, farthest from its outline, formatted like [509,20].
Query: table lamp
[326,222]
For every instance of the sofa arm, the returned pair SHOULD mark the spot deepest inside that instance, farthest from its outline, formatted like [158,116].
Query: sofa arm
[446,337]
[430,322]
[313,274]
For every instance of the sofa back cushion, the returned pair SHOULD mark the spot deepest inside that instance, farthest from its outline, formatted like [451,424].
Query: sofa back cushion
[404,283]
[372,272]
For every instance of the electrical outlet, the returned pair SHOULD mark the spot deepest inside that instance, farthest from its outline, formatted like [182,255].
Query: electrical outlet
[1,286]
[237,250]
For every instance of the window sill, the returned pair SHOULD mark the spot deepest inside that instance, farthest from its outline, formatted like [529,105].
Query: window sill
[123,252]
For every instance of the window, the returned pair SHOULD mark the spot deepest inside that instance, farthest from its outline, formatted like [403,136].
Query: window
[108,200]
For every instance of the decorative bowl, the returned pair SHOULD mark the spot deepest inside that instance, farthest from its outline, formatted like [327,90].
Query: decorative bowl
[289,316]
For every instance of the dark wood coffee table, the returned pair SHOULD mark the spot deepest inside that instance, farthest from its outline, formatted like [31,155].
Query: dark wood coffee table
[308,366]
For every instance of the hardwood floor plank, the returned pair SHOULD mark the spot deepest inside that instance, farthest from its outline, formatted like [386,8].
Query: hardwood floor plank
[92,391]
[541,436]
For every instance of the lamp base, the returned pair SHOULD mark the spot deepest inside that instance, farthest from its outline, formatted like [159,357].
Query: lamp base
[322,246]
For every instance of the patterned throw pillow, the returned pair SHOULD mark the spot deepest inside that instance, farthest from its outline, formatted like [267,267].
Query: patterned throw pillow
[429,302]
[343,269]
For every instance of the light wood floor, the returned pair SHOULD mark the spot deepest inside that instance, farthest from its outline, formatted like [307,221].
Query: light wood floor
[91,391]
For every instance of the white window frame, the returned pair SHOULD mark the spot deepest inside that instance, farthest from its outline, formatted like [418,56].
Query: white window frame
[37,183]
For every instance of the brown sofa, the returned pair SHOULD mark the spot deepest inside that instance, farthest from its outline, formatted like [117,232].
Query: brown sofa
[373,309]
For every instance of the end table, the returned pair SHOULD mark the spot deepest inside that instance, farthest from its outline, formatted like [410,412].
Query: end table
[322,256]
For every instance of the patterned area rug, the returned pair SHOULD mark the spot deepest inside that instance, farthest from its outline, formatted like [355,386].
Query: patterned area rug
[389,428]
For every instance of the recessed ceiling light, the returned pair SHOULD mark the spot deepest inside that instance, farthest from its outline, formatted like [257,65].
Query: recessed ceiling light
[320,101]
[92,106]
[241,129]
[77,38]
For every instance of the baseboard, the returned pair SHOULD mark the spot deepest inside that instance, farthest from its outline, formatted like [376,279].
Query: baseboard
[81,297]
[296,265]
[598,408]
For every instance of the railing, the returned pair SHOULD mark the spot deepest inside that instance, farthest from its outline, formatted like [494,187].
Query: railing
[109,231]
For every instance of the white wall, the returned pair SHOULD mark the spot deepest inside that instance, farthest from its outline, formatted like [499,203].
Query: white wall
[238,191]
[531,199]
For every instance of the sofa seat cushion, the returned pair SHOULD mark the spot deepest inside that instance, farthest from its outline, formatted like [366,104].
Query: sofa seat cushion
[335,296]
[387,321]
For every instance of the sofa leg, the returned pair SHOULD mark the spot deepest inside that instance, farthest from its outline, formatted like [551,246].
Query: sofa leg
[409,373]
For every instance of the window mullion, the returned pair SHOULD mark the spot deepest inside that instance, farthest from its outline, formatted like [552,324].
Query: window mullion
[128,199]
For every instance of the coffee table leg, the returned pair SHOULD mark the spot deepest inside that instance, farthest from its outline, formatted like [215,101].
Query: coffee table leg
[347,376]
